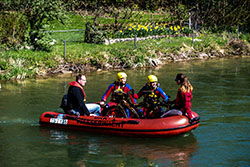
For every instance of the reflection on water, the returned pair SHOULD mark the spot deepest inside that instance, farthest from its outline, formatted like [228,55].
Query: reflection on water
[90,149]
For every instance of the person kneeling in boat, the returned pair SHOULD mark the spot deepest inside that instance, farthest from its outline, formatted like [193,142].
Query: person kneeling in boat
[117,88]
[152,93]
[183,99]
[76,99]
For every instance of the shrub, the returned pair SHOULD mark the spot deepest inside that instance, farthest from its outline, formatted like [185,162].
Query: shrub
[93,35]
[43,41]
[12,29]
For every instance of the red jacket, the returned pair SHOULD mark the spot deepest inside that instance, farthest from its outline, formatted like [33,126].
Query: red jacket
[183,101]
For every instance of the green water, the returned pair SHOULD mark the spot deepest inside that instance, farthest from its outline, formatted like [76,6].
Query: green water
[221,97]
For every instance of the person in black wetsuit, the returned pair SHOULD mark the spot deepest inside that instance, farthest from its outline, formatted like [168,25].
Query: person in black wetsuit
[76,99]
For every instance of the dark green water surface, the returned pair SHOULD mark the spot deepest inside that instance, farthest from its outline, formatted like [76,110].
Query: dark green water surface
[221,97]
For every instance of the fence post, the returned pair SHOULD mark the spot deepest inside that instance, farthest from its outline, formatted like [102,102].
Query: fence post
[64,56]
[238,32]
[193,39]
[135,41]
[189,21]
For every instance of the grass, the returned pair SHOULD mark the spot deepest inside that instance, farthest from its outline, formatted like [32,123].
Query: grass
[27,63]
[74,21]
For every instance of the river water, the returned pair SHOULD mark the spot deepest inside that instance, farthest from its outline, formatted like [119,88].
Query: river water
[221,97]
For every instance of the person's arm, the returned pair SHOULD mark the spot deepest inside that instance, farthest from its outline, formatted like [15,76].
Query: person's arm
[140,93]
[163,94]
[187,101]
[133,95]
[80,100]
[107,93]
[187,104]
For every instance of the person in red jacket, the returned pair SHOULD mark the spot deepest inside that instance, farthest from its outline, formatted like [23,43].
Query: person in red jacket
[118,86]
[76,98]
[184,96]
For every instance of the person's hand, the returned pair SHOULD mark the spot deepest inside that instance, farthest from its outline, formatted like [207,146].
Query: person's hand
[78,114]
[102,103]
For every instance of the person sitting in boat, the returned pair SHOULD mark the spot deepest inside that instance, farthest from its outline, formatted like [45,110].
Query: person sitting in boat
[152,93]
[117,88]
[76,98]
[183,99]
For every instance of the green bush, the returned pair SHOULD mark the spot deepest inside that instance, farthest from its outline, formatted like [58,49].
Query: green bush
[93,35]
[12,29]
[44,42]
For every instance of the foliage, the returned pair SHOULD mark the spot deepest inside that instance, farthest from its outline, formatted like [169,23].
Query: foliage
[33,16]
[245,36]
[27,63]
[12,29]
[44,42]
[25,21]
[219,15]
[93,35]
[40,13]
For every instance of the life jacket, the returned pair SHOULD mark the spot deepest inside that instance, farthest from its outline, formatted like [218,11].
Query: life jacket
[151,97]
[118,91]
[76,84]
[119,87]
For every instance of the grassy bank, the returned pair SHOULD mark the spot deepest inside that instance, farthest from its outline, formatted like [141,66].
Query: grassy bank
[83,57]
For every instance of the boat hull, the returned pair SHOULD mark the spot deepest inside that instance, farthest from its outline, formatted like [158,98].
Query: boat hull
[160,127]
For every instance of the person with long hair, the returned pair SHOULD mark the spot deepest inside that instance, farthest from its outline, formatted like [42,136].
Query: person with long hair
[184,96]
[182,103]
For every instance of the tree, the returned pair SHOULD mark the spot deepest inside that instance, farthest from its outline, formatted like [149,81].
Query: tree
[37,14]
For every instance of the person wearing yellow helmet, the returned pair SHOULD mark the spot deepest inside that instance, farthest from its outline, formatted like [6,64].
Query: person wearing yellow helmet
[152,94]
[121,77]
[152,81]
[119,86]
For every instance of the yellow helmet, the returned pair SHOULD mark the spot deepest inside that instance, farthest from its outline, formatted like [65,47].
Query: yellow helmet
[152,78]
[121,75]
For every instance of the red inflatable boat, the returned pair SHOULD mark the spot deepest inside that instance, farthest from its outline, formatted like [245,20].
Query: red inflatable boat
[160,127]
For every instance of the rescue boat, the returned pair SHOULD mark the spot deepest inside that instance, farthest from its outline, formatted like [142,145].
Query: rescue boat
[159,127]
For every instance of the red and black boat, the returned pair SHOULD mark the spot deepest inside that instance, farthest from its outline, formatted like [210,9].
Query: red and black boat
[159,127]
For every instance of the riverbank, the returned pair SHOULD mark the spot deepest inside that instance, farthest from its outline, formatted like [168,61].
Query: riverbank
[83,58]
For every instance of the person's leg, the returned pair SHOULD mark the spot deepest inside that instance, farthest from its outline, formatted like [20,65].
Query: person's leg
[76,111]
[94,109]
[127,110]
[172,113]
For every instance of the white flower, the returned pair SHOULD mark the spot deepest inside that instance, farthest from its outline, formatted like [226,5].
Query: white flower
[27,47]
[52,43]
